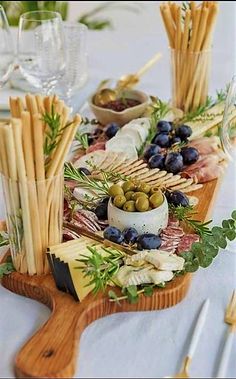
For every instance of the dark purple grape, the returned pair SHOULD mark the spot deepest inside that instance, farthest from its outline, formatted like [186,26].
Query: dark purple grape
[156,161]
[111,129]
[174,163]
[113,234]
[177,198]
[175,140]
[190,155]
[183,132]
[130,235]
[105,200]
[97,132]
[101,211]
[91,139]
[84,170]
[148,241]
[151,150]
[163,140]
[164,127]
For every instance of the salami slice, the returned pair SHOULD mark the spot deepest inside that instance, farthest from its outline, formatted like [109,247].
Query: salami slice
[173,222]
[173,231]
[187,241]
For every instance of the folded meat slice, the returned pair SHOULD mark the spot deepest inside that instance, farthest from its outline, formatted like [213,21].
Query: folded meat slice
[206,145]
[206,168]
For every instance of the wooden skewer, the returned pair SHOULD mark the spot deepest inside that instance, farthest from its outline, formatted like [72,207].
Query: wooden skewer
[98,238]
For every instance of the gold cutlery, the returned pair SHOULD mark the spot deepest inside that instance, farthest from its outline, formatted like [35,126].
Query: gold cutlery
[105,95]
[184,372]
[230,319]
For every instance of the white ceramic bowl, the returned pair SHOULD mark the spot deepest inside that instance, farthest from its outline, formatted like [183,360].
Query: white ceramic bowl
[144,222]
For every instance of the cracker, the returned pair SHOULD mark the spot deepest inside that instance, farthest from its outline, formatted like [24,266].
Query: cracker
[131,169]
[187,183]
[111,157]
[148,174]
[136,175]
[128,165]
[193,187]
[153,180]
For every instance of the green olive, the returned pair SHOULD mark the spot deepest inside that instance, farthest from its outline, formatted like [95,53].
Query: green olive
[156,199]
[128,186]
[119,201]
[154,190]
[129,206]
[142,204]
[144,187]
[115,190]
[128,195]
[138,194]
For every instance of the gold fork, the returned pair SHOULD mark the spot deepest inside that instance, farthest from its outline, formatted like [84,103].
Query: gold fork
[184,372]
[230,319]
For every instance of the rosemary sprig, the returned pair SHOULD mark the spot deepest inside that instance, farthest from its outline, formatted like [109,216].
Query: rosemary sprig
[159,110]
[101,266]
[101,187]
[185,214]
[192,115]
[201,114]
[53,131]
[82,139]
[110,176]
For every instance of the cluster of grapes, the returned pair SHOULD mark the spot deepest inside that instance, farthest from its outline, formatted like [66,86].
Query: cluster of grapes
[158,155]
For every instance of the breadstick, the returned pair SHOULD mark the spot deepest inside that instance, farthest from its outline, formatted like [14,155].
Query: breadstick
[17,132]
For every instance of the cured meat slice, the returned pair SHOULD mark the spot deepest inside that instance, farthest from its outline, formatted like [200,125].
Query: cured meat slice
[95,147]
[173,232]
[186,242]
[173,222]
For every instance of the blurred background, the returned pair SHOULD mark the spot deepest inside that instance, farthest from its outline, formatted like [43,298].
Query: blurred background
[124,35]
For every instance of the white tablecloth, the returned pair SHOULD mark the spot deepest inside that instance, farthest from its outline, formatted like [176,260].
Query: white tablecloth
[144,344]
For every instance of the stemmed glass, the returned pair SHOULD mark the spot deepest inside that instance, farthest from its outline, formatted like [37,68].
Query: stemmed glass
[6,49]
[228,126]
[40,49]
[76,70]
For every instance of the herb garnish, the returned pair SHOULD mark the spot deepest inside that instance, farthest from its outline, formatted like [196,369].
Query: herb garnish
[7,267]
[53,131]
[82,138]
[100,186]
[185,215]
[101,267]
[202,253]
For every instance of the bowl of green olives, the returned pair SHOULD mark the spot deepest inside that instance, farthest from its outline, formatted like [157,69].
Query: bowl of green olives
[137,205]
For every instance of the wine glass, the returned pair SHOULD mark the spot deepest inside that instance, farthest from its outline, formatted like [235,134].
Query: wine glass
[228,126]
[6,49]
[40,49]
[76,71]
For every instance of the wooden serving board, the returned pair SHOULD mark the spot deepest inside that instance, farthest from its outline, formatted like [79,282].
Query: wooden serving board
[52,351]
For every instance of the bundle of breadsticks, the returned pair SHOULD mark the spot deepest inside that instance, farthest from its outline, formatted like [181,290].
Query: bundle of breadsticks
[33,148]
[189,28]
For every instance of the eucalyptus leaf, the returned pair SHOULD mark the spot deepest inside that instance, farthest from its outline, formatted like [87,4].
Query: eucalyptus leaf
[233,215]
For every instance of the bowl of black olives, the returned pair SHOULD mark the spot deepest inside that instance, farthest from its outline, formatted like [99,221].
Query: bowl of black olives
[139,206]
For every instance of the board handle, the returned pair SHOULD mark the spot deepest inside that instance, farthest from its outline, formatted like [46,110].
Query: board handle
[51,352]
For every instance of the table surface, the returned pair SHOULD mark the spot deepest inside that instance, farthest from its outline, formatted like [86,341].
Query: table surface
[144,344]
